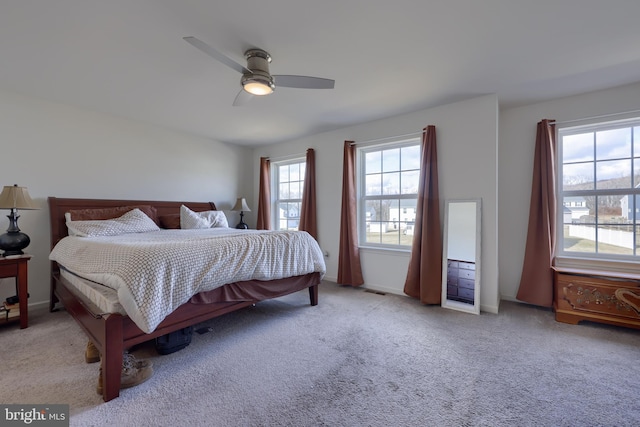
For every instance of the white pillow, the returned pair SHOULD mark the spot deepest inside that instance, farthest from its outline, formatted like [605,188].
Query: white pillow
[134,221]
[217,218]
[207,219]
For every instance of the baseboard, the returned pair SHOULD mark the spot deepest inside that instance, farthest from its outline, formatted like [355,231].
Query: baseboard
[489,308]
[43,305]
[374,288]
[509,298]
[377,288]
[383,289]
[330,279]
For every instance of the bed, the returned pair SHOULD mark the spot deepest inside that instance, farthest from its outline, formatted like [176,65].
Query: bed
[113,330]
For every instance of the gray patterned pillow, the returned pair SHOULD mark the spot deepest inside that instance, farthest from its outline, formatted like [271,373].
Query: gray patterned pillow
[207,219]
[134,221]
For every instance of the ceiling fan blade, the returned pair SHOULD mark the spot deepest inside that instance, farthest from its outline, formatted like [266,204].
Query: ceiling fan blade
[303,82]
[216,54]
[242,98]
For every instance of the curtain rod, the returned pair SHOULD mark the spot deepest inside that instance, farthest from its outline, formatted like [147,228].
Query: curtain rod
[387,138]
[594,117]
[287,157]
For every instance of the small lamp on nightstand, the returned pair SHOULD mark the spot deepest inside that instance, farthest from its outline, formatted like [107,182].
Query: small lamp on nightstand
[14,198]
[241,205]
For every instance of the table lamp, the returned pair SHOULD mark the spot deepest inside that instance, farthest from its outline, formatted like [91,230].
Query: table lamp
[241,205]
[14,198]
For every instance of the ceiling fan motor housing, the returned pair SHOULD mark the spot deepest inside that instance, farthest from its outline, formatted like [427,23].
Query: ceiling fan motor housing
[258,62]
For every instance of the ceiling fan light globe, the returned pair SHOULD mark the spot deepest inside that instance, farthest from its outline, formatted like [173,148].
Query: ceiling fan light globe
[257,88]
[258,83]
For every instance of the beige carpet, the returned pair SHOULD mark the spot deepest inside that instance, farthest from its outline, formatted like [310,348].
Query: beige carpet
[357,359]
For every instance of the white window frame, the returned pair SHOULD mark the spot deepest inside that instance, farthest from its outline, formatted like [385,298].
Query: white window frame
[595,260]
[275,191]
[362,198]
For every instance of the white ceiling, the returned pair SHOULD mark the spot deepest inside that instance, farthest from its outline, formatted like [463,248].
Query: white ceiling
[128,58]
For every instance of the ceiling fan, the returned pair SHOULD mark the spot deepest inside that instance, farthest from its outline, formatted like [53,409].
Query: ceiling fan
[256,79]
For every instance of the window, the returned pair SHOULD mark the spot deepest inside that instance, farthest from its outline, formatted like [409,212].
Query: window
[598,191]
[388,193]
[288,182]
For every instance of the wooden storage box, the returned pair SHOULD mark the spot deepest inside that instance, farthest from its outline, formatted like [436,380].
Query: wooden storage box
[597,297]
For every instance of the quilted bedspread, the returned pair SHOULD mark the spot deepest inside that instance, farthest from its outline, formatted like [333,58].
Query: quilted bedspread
[155,272]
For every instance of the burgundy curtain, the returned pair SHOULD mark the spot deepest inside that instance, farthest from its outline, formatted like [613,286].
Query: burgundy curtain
[349,269]
[308,217]
[536,282]
[424,277]
[264,196]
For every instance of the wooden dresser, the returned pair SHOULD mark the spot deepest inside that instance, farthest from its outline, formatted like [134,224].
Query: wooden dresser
[461,280]
[597,296]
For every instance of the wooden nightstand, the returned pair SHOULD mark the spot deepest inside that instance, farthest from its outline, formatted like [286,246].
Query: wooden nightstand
[17,267]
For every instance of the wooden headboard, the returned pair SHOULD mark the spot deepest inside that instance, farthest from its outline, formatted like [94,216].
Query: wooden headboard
[58,207]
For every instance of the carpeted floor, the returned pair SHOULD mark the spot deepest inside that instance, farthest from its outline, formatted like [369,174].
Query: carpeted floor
[357,359]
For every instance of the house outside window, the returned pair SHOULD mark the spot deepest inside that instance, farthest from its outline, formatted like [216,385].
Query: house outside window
[388,177]
[599,191]
[288,179]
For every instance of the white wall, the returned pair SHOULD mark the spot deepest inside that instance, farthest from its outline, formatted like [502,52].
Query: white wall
[517,141]
[61,151]
[467,134]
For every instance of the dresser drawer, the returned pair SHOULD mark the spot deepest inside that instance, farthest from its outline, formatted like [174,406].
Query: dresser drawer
[466,283]
[466,265]
[465,293]
[466,274]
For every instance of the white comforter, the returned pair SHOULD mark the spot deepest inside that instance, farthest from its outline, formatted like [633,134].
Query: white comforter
[155,272]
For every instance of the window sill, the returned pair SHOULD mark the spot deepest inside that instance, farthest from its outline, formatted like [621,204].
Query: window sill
[386,251]
[624,269]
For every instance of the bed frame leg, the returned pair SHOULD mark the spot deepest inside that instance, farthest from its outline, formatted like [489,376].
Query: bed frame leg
[313,294]
[112,358]
[53,299]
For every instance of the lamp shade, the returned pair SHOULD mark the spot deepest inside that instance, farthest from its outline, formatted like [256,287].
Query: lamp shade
[14,197]
[241,205]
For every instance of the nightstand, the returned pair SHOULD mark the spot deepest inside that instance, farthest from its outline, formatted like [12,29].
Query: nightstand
[16,266]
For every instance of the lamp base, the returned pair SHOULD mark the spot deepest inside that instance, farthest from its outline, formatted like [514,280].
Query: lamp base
[13,242]
[241,225]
